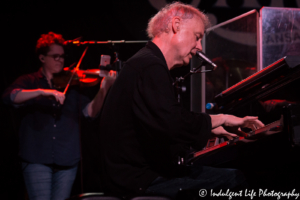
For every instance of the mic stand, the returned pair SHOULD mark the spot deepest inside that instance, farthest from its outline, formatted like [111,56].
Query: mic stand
[117,65]
[78,42]
[180,88]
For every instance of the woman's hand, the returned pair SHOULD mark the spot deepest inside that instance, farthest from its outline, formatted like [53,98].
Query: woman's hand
[59,96]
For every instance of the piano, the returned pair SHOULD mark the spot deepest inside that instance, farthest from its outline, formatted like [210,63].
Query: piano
[269,157]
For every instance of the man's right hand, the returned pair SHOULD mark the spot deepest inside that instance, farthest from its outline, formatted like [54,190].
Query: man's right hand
[221,132]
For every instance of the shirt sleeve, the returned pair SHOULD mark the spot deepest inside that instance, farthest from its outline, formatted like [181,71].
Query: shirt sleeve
[158,111]
[85,101]
[23,82]
[82,101]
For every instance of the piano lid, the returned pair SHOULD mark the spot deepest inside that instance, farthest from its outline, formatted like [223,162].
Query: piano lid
[270,78]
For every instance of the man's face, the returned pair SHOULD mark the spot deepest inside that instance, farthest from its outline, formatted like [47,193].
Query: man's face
[188,40]
[54,60]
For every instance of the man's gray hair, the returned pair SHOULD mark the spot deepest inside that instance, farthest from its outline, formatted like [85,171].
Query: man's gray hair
[159,23]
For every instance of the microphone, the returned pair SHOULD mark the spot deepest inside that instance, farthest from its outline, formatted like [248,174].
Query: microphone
[204,58]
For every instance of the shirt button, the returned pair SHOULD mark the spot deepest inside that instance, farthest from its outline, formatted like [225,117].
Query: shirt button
[54,125]
[54,104]
[53,138]
[140,188]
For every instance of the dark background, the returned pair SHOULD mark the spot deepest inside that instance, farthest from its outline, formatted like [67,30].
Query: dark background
[22,23]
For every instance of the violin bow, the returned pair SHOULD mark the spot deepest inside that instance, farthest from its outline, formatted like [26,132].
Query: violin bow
[75,69]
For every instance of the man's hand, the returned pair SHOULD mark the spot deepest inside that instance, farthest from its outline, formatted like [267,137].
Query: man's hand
[234,124]
[230,126]
[221,132]
[59,96]
[245,122]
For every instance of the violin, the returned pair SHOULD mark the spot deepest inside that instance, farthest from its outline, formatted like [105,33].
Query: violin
[75,76]
[83,78]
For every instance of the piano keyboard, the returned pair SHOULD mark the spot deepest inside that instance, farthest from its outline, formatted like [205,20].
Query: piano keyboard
[269,129]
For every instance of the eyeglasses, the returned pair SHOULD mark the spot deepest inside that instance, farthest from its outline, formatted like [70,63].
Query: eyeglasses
[57,56]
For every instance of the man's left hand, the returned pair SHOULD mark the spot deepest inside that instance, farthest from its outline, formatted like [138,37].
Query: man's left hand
[245,122]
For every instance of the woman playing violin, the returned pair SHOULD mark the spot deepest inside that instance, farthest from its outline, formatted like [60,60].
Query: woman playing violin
[49,132]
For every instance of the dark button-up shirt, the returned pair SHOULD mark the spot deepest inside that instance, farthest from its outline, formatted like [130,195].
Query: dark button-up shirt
[49,132]
[143,128]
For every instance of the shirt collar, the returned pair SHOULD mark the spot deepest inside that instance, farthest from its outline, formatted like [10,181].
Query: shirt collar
[40,73]
[156,51]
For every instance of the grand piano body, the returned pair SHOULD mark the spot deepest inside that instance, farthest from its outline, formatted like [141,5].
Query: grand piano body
[269,157]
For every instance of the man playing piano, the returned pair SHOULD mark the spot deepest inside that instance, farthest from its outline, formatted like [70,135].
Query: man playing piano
[144,129]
